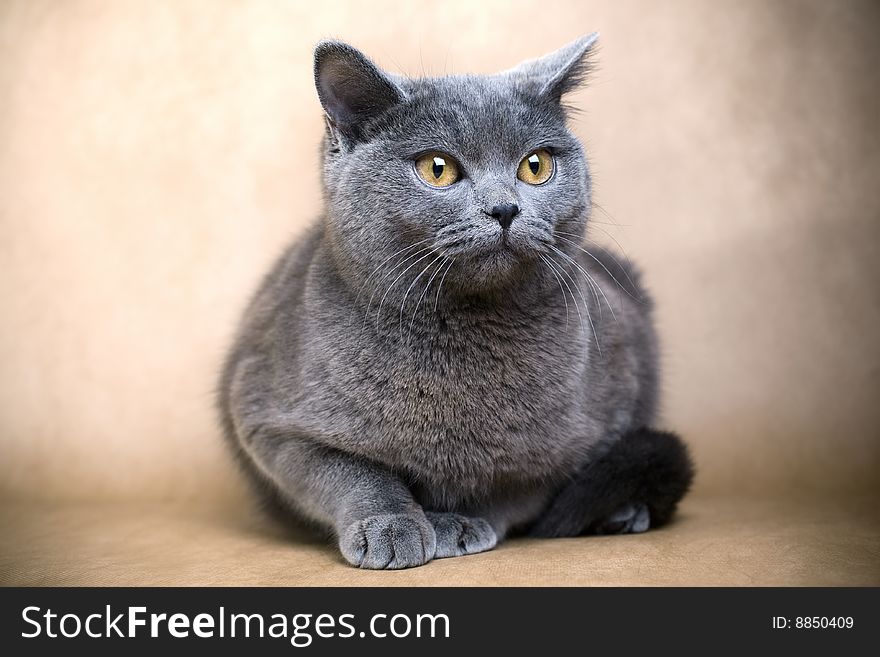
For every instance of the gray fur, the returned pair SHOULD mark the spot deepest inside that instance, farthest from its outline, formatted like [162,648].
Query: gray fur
[372,382]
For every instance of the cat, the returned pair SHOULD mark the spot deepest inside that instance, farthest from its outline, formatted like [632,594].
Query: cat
[439,362]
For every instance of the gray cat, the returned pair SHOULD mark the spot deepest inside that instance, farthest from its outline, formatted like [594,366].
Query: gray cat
[439,362]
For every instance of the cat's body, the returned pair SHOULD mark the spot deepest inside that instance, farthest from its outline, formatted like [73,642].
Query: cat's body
[422,399]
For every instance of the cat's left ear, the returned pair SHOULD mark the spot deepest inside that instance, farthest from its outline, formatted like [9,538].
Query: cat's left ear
[559,72]
[351,88]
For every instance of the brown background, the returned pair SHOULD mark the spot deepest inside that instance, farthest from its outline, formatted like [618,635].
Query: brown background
[156,156]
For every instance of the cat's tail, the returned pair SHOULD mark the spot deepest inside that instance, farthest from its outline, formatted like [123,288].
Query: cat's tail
[644,473]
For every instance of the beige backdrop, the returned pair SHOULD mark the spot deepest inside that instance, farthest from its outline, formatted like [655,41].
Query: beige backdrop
[156,156]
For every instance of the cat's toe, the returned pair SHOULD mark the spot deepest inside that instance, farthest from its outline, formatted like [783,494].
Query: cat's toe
[458,535]
[642,520]
[631,519]
[389,541]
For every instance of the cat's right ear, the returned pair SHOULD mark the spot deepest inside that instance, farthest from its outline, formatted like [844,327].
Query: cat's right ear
[351,88]
[554,75]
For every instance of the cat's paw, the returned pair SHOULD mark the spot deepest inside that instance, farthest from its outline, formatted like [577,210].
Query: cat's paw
[388,541]
[458,535]
[631,519]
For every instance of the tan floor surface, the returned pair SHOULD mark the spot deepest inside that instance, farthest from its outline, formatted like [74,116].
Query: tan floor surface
[715,541]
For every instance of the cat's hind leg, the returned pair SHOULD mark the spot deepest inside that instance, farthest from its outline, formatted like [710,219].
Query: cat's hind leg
[633,484]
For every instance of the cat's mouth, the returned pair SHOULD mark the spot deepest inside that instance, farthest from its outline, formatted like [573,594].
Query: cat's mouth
[502,247]
[499,255]
[511,243]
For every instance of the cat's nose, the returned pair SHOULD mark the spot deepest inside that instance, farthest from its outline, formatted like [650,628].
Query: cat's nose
[505,213]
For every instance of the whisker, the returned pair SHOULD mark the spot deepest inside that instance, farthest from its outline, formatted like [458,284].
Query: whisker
[619,265]
[608,215]
[610,255]
[411,285]
[559,283]
[455,227]
[390,272]
[381,264]
[616,261]
[586,308]
[590,280]
[406,248]
[591,283]
[440,287]
[394,282]
[556,267]
[612,238]
[424,292]
[607,271]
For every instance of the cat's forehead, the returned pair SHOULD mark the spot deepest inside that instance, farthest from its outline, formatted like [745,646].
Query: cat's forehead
[472,89]
[470,111]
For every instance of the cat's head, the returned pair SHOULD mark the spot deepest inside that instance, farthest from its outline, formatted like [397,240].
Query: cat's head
[475,171]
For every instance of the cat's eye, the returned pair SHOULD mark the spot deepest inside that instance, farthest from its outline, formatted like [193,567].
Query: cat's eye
[437,169]
[536,167]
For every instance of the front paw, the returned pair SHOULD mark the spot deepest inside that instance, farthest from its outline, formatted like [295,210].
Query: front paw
[458,535]
[393,540]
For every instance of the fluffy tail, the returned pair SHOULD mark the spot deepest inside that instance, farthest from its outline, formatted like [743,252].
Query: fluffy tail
[643,468]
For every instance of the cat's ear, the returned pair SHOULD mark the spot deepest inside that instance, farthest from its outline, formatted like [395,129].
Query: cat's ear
[351,88]
[559,72]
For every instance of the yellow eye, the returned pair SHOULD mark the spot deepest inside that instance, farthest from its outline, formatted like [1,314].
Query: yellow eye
[536,168]
[437,169]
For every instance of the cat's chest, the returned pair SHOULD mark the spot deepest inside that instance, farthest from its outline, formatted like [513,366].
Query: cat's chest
[469,400]
[463,365]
